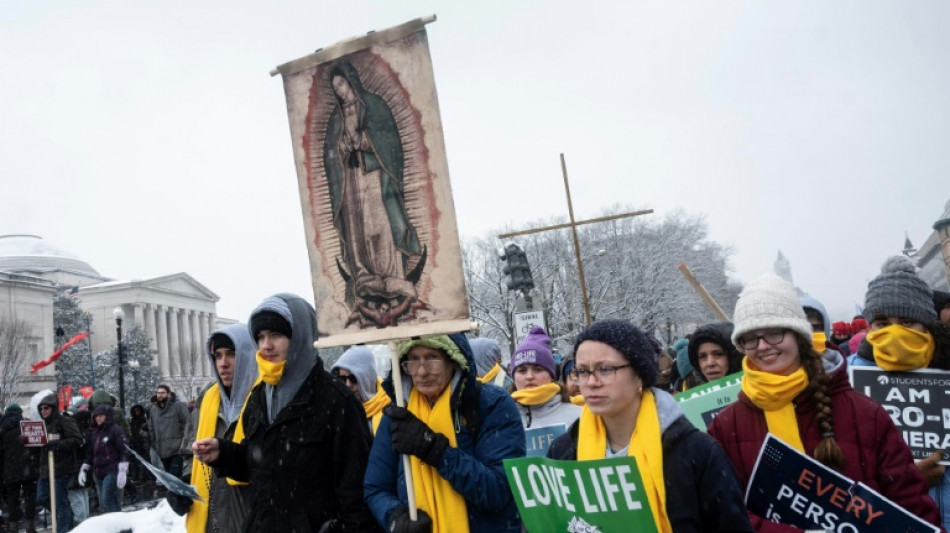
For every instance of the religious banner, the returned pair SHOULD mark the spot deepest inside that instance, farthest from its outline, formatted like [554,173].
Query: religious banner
[580,496]
[788,487]
[917,401]
[374,187]
[701,404]
[538,440]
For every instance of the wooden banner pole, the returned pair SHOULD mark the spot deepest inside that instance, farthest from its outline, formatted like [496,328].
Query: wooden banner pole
[401,402]
[703,293]
[52,487]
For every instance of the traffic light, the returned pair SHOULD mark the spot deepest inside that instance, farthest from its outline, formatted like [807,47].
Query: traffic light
[516,268]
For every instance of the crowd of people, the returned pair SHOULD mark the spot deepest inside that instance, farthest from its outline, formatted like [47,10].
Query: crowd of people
[280,442]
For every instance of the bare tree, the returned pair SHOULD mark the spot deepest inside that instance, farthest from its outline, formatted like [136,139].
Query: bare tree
[17,349]
[631,273]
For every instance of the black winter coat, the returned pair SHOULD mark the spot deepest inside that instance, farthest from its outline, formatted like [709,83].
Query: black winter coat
[68,446]
[306,468]
[702,489]
[17,462]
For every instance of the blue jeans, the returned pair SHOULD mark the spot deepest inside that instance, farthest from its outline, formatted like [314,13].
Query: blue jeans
[64,515]
[172,465]
[108,493]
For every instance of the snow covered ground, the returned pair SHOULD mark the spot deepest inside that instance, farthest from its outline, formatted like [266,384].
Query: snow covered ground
[160,519]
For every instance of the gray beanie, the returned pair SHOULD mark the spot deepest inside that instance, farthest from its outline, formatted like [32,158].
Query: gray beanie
[899,292]
[769,302]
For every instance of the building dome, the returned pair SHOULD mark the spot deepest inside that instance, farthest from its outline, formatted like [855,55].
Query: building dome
[31,254]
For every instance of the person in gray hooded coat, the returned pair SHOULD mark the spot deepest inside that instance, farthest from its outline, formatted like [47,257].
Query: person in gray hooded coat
[305,442]
[217,409]
[357,369]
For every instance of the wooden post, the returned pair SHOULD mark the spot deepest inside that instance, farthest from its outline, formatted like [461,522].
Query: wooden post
[401,402]
[703,293]
[52,487]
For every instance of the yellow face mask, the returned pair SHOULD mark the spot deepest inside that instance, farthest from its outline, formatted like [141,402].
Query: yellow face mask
[818,340]
[898,348]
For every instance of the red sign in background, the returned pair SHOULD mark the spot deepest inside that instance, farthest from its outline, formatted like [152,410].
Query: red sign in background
[34,432]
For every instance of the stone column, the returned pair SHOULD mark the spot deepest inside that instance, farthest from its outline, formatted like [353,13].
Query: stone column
[187,344]
[174,341]
[150,331]
[162,321]
[202,320]
[211,328]
[138,311]
[197,342]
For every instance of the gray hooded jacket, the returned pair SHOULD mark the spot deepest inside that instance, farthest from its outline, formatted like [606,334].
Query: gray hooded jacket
[359,361]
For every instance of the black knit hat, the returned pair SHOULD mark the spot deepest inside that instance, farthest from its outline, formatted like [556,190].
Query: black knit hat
[271,321]
[220,340]
[629,341]
[899,292]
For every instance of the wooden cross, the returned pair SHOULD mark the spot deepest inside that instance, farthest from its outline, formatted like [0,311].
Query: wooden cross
[573,225]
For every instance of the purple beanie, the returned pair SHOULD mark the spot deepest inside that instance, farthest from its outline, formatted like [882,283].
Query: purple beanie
[535,349]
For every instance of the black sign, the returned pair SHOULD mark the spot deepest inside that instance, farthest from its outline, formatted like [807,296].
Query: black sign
[918,403]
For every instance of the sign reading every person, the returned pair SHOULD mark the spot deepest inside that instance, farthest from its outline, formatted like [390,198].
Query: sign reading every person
[580,496]
[917,401]
[701,404]
[788,487]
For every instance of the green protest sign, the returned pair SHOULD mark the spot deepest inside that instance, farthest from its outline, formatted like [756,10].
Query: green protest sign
[600,496]
[701,404]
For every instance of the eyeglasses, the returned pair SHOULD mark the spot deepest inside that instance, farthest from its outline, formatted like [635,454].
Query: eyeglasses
[751,342]
[349,378]
[432,366]
[603,373]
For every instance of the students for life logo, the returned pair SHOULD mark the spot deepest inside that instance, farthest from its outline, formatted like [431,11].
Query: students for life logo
[579,525]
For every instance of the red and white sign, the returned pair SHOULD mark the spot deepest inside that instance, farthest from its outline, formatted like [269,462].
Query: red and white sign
[33,432]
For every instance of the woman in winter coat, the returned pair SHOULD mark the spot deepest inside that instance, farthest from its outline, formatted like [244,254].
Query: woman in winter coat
[695,489]
[107,458]
[905,334]
[711,352]
[301,441]
[19,467]
[804,398]
[456,432]
[542,401]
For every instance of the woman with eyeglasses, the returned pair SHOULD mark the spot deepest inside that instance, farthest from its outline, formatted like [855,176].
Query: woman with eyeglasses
[805,399]
[456,433]
[687,478]
[357,369]
[542,401]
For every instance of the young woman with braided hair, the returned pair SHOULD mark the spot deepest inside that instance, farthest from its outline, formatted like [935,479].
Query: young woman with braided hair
[805,399]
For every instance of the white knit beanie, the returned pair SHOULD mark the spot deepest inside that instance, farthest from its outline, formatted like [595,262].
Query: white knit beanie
[769,302]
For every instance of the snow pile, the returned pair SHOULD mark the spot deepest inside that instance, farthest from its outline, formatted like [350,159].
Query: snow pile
[159,519]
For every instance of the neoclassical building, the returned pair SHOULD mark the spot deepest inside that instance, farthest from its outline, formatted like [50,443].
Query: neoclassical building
[177,311]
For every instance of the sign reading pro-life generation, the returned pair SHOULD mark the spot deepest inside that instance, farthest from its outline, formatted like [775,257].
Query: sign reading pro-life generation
[917,401]
[580,496]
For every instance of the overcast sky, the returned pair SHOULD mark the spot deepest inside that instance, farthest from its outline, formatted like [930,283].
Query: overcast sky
[148,138]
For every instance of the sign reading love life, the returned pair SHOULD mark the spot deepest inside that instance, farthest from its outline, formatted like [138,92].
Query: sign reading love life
[580,496]
[917,401]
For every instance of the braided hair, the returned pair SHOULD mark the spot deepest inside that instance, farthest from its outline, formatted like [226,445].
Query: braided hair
[827,452]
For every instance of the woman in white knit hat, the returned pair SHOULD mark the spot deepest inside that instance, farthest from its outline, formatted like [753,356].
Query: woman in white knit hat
[805,399]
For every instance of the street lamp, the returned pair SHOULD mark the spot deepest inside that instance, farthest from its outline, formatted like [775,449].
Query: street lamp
[119,315]
[134,367]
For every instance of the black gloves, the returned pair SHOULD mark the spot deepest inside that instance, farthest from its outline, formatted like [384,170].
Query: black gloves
[412,437]
[399,521]
[180,504]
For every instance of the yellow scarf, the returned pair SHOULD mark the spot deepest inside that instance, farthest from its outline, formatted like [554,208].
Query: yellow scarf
[536,395]
[490,375]
[773,394]
[818,341]
[197,519]
[578,399]
[898,348]
[374,406]
[645,446]
[434,494]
